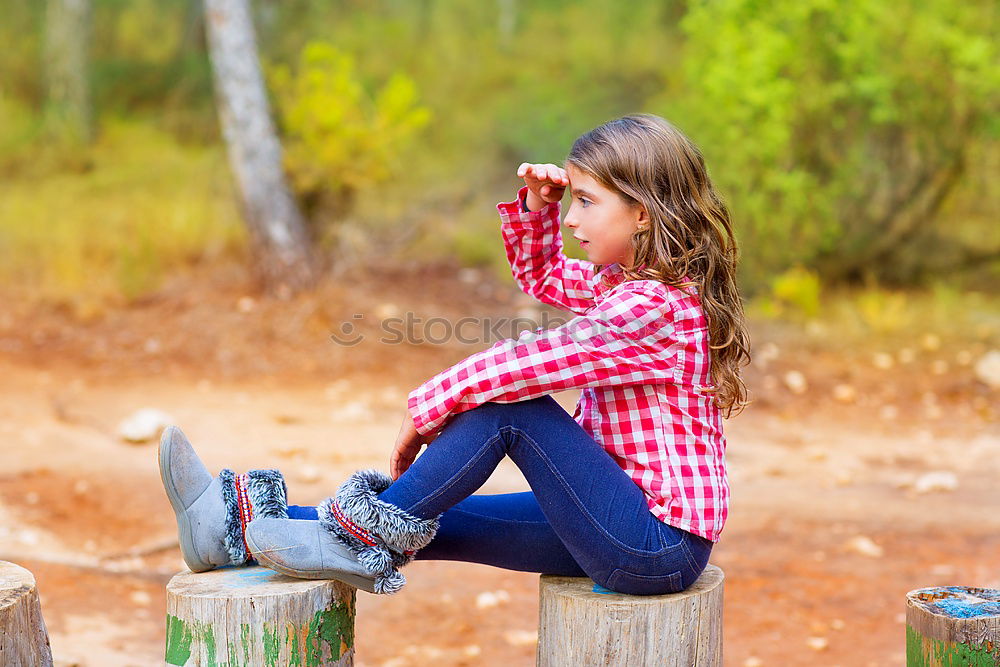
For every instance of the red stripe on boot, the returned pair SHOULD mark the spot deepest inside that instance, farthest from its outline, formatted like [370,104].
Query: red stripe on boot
[354,529]
[351,527]
[245,510]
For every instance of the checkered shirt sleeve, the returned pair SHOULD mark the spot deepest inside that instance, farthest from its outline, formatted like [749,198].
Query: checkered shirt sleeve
[624,340]
[535,251]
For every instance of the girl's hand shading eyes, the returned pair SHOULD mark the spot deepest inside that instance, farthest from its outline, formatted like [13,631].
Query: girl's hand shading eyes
[547,181]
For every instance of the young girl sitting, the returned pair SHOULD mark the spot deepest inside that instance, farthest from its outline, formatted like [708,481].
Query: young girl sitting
[630,490]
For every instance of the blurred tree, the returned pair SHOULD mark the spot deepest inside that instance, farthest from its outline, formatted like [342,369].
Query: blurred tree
[506,20]
[841,129]
[67,45]
[282,256]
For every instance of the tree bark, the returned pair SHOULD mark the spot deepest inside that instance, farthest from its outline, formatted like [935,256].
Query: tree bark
[281,248]
[24,641]
[67,46]
[580,624]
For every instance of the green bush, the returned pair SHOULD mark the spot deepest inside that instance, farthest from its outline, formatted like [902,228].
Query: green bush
[840,131]
[796,292]
[145,206]
[338,138]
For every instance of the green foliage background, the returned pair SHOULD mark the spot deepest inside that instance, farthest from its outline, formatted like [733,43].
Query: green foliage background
[854,140]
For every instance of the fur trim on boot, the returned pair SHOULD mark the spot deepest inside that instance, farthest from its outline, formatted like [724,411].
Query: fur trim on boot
[267,495]
[381,535]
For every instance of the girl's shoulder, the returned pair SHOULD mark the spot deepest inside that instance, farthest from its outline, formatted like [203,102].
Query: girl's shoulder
[680,304]
[655,289]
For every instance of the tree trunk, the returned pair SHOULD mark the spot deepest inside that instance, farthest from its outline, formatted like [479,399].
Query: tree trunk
[24,641]
[67,45]
[582,624]
[253,616]
[952,625]
[506,20]
[281,249]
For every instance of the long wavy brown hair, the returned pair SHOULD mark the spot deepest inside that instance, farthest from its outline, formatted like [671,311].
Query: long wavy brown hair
[689,240]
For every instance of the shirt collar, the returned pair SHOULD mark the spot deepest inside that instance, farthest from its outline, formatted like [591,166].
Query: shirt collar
[612,275]
[607,278]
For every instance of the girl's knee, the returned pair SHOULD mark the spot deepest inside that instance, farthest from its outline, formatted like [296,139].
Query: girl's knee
[508,413]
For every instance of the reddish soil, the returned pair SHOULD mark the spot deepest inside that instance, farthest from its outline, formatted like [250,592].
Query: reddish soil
[255,381]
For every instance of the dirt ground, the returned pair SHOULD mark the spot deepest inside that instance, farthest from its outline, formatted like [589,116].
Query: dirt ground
[870,474]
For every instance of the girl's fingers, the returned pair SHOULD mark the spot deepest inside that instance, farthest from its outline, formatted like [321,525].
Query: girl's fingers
[545,190]
[399,464]
[543,172]
[404,464]
[556,174]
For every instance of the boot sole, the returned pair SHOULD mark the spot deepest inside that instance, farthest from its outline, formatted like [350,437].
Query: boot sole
[354,580]
[184,534]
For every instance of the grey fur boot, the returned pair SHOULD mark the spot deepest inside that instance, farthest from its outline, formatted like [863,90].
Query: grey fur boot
[212,512]
[303,548]
[358,539]
[381,535]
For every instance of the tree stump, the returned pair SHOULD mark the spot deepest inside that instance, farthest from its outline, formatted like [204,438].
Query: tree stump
[23,637]
[581,623]
[952,625]
[253,617]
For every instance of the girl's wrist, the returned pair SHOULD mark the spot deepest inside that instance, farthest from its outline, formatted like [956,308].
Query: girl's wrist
[533,202]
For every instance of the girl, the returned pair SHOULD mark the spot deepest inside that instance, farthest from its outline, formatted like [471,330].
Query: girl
[630,490]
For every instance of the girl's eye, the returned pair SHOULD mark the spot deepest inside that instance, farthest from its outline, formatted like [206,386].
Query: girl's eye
[585,202]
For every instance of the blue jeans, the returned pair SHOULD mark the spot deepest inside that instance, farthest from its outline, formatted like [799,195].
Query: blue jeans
[583,516]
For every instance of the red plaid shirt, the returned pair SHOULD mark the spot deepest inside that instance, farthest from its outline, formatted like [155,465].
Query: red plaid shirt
[638,350]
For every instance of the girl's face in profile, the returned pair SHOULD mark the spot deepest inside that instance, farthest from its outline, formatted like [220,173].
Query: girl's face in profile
[601,220]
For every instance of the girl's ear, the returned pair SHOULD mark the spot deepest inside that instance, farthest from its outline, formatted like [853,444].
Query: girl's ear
[642,222]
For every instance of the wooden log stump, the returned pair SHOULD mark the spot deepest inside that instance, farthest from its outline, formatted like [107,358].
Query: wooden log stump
[254,617]
[23,637]
[952,625]
[581,623]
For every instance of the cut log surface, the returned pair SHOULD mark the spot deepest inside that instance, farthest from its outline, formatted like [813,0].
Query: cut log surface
[24,640]
[253,617]
[581,623]
[953,625]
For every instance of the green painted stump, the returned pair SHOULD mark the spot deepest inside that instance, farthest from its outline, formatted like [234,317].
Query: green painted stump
[253,617]
[953,626]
